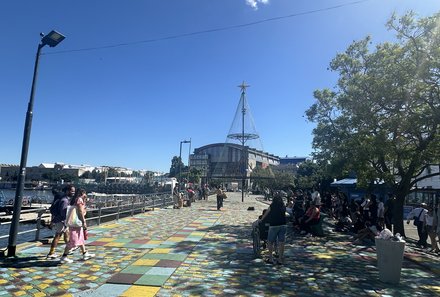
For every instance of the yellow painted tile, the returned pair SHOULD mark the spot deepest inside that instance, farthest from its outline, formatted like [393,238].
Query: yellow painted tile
[67,282]
[146,262]
[141,291]
[176,239]
[323,256]
[432,288]
[111,226]
[92,278]
[19,293]
[160,251]
[43,286]
[106,239]
[154,242]
[198,233]
[82,275]
[39,294]
[3,281]
[115,244]
[48,281]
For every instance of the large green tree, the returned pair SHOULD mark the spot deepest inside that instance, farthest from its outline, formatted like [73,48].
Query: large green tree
[176,165]
[312,175]
[382,119]
[274,180]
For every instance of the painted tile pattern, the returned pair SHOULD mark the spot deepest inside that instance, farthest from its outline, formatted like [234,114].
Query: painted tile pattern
[198,251]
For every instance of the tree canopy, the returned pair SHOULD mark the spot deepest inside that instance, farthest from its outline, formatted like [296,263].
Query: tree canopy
[382,118]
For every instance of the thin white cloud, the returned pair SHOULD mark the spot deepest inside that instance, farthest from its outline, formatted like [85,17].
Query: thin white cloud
[254,3]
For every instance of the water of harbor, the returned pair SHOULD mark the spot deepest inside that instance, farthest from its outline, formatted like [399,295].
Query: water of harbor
[38,197]
[44,196]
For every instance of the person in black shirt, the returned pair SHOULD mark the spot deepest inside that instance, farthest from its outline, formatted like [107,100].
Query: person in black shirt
[276,217]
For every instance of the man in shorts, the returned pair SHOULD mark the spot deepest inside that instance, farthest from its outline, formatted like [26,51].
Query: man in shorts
[58,211]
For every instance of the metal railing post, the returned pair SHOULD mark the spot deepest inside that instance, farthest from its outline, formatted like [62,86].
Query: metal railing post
[132,205]
[37,232]
[163,201]
[154,203]
[144,203]
[119,210]
[99,213]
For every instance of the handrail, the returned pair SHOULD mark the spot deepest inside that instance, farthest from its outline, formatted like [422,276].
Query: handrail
[106,206]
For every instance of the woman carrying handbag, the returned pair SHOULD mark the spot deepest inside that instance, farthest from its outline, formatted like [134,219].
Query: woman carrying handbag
[76,221]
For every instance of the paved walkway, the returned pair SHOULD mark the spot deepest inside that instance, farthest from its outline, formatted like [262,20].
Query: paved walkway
[200,251]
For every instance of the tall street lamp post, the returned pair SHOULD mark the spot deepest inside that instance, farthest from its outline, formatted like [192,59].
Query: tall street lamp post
[189,156]
[52,39]
[180,163]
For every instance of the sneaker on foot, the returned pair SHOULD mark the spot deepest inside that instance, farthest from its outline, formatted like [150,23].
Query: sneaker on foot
[88,255]
[52,256]
[64,259]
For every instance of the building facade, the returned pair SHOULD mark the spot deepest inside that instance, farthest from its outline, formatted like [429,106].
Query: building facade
[230,161]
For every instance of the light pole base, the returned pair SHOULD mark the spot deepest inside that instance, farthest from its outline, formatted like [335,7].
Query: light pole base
[11,251]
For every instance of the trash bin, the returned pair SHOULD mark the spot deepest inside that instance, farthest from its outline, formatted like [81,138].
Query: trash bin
[389,259]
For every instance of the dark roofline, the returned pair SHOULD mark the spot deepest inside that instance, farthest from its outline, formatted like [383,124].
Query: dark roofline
[238,146]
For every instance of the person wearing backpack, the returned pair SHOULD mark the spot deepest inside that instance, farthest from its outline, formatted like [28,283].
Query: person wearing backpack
[58,211]
[418,214]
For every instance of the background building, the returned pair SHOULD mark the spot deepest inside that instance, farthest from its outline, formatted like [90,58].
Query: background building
[229,161]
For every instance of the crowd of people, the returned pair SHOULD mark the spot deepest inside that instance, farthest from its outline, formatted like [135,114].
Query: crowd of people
[302,210]
[185,197]
[364,219]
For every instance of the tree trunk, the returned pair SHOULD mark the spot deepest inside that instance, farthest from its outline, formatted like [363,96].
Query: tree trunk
[398,214]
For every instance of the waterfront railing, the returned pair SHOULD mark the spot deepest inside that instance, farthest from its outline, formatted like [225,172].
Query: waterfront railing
[100,208]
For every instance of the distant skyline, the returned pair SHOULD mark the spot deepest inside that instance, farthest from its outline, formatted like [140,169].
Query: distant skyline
[134,78]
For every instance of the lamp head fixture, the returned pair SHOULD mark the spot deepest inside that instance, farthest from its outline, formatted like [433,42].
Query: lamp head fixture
[52,38]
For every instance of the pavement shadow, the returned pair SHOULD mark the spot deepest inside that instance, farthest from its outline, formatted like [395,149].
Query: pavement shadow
[318,265]
[26,262]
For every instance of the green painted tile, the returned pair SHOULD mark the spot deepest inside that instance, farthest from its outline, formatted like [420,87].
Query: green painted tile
[177,257]
[152,280]
[136,269]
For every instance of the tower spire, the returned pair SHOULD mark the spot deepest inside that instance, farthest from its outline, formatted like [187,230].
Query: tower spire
[243,87]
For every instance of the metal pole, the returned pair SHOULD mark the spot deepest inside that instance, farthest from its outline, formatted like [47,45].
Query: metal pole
[180,167]
[189,154]
[243,110]
[12,244]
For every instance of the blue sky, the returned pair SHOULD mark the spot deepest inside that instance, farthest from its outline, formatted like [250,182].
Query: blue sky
[132,105]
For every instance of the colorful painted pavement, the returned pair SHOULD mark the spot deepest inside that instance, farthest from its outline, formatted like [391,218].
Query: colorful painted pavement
[199,251]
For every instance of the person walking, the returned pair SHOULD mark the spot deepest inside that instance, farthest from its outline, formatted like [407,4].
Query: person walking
[418,214]
[76,238]
[430,228]
[220,196]
[58,211]
[176,196]
[276,217]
